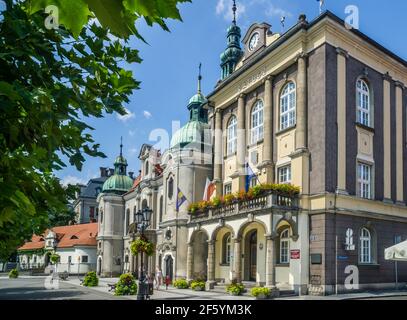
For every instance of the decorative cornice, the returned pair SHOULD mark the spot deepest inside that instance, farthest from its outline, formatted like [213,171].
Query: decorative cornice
[342,52]
[399,84]
[387,77]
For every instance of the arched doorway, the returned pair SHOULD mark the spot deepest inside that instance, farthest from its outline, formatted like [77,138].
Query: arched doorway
[169,266]
[251,246]
[253,249]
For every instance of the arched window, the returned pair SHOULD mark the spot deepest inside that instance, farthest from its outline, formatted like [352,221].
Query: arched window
[101,217]
[285,246]
[363,103]
[232,136]
[287,106]
[257,122]
[127,221]
[365,244]
[170,188]
[226,248]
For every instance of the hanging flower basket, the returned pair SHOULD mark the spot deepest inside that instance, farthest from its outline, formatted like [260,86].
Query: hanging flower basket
[140,245]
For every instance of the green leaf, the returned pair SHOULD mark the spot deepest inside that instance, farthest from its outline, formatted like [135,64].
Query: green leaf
[73,14]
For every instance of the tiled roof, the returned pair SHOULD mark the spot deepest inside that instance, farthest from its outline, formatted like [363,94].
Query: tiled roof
[67,236]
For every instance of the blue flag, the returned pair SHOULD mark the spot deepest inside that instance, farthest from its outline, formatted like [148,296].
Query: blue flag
[249,176]
[180,199]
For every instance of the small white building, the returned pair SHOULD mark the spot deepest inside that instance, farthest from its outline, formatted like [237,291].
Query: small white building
[75,244]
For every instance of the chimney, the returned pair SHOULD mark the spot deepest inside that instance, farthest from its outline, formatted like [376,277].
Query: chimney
[131,175]
[103,172]
[111,172]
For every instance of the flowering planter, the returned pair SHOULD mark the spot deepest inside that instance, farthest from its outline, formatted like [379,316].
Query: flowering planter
[199,289]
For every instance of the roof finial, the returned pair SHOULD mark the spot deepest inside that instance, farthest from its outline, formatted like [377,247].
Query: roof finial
[121,146]
[234,8]
[199,78]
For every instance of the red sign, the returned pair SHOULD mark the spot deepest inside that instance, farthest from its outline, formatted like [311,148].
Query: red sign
[295,254]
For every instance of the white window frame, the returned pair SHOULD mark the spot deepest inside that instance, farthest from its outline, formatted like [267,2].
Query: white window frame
[285,246]
[365,246]
[228,188]
[364,175]
[288,104]
[253,182]
[228,249]
[232,136]
[284,174]
[363,101]
[257,131]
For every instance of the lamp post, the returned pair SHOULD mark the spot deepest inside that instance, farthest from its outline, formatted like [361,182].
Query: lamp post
[142,219]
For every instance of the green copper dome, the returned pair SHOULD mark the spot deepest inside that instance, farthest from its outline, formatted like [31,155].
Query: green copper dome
[194,132]
[119,182]
[198,98]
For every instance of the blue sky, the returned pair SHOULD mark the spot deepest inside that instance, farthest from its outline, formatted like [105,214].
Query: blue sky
[169,70]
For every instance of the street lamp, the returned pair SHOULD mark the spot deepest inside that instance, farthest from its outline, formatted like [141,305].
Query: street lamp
[142,220]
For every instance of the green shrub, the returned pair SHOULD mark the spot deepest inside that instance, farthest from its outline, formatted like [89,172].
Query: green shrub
[13,274]
[235,289]
[126,286]
[91,279]
[198,285]
[258,291]
[180,284]
[54,258]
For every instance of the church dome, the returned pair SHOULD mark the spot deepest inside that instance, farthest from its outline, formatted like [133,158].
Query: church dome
[194,132]
[117,184]
[197,98]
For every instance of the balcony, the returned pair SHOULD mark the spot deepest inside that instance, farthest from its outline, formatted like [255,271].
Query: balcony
[268,202]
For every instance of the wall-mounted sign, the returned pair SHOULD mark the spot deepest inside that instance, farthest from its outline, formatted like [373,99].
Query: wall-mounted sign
[295,254]
[349,245]
[313,237]
[316,258]
[343,258]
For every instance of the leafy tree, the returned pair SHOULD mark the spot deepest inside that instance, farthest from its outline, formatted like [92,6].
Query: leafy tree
[50,81]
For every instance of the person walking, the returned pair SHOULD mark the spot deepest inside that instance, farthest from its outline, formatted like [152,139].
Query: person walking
[158,277]
[167,281]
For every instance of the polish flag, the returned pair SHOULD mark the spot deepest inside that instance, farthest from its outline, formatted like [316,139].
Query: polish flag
[210,188]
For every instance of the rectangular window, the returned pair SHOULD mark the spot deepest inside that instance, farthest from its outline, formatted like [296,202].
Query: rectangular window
[228,188]
[284,174]
[84,259]
[284,251]
[253,182]
[364,181]
[91,212]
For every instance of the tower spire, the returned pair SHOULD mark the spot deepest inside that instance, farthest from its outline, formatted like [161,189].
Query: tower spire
[234,8]
[199,78]
[121,146]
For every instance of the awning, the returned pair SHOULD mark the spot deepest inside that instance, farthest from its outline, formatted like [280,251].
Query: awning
[397,252]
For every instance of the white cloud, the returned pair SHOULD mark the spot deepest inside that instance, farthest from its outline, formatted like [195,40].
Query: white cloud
[72,180]
[273,11]
[129,115]
[132,133]
[224,8]
[147,114]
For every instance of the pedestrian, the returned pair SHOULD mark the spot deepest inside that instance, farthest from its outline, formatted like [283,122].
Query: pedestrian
[167,281]
[158,277]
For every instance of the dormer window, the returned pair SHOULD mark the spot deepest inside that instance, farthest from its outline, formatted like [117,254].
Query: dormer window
[74,237]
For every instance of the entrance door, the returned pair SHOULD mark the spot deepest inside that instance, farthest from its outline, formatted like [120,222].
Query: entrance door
[253,256]
[169,262]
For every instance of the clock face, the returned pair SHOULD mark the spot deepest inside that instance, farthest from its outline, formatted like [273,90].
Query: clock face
[254,41]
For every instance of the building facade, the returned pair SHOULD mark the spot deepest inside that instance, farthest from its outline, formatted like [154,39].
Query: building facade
[321,107]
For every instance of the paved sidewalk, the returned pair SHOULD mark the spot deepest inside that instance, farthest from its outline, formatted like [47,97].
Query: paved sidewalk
[188,294]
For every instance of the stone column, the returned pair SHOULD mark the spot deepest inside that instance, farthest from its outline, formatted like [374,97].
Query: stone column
[211,265]
[270,262]
[399,142]
[241,142]
[190,261]
[268,130]
[301,130]
[218,159]
[387,137]
[237,260]
[342,55]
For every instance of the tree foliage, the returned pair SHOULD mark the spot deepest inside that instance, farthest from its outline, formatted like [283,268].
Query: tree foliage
[50,81]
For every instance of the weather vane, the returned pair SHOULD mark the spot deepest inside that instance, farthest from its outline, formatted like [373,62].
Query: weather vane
[234,11]
[321,5]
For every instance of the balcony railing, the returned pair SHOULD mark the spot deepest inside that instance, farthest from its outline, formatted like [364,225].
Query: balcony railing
[248,206]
